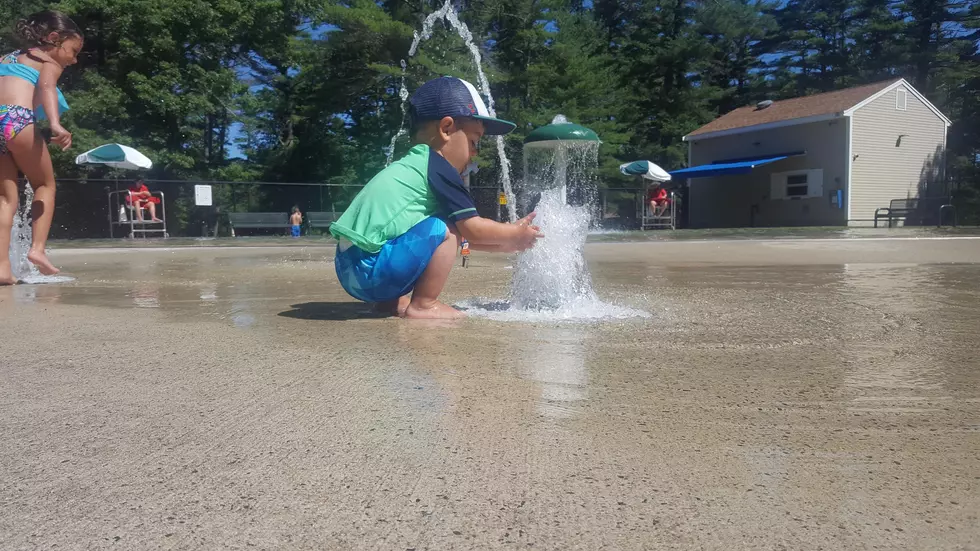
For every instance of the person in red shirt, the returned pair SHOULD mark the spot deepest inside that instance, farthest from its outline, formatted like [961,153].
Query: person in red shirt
[140,198]
[657,197]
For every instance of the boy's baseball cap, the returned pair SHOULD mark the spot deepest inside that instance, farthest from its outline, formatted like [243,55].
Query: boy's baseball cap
[454,97]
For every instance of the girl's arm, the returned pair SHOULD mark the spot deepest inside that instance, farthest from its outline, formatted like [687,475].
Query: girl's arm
[46,95]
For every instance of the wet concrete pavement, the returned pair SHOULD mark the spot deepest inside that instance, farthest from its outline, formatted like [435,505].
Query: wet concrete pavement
[784,395]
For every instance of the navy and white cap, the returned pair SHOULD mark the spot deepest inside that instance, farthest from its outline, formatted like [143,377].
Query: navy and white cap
[454,97]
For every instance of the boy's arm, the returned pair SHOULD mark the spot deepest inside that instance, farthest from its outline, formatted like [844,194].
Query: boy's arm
[487,235]
[447,185]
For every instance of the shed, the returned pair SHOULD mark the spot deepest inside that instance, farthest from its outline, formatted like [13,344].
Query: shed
[828,159]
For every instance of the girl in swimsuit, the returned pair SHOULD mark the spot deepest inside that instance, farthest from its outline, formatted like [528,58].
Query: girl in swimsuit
[28,92]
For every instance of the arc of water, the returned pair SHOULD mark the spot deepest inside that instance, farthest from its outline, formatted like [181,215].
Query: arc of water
[403,94]
[447,13]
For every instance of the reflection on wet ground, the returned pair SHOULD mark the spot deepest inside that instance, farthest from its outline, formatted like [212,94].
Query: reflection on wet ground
[597,236]
[796,395]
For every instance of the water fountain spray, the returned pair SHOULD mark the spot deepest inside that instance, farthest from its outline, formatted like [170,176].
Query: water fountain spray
[448,14]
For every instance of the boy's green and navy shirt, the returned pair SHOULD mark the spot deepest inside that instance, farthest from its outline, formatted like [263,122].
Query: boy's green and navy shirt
[419,185]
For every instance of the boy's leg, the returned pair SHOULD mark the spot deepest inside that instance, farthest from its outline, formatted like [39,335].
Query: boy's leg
[425,298]
[8,208]
[395,307]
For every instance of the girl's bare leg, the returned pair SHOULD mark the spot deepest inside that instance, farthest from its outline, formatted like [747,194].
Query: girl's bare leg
[8,208]
[32,158]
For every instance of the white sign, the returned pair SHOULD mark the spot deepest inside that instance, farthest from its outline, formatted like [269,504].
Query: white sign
[202,196]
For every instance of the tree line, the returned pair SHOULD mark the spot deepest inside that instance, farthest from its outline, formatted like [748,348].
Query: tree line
[307,90]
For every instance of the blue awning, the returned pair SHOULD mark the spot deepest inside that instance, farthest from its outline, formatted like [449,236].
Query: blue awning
[725,168]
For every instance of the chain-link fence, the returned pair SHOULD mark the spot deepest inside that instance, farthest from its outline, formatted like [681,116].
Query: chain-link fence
[85,207]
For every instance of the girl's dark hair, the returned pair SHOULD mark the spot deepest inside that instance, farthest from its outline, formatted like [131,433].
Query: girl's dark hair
[34,30]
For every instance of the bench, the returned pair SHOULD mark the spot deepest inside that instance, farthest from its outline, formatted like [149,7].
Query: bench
[252,220]
[322,219]
[922,207]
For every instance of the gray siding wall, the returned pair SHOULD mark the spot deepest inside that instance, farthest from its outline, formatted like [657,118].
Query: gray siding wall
[884,168]
[728,201]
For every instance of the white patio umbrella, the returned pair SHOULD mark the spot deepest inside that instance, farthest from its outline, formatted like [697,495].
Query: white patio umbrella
[648,170]
[115,155]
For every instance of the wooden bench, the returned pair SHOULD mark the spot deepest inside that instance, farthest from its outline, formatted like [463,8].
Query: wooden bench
[322,219]
[902,209]
[257,220]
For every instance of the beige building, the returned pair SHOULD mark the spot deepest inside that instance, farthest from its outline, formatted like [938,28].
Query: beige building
[824,160]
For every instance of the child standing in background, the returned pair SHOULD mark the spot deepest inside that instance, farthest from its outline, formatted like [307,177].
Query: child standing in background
[297,221]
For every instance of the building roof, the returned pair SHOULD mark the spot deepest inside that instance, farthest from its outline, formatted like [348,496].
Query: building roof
[807,107]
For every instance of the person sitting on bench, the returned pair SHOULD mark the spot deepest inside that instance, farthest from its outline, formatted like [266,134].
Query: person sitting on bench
[140,198]
[657,198]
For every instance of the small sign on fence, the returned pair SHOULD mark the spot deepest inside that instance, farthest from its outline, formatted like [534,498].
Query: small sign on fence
[502,198]
[202,196]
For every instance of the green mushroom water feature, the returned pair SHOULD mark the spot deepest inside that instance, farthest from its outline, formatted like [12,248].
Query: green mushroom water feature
[561,156]
[552,281]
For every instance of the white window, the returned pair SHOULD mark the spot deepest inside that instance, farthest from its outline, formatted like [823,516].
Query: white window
[797,184]
[901,99]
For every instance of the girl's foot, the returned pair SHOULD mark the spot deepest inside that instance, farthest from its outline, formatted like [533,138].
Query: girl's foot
[39,259]
[437,311]
[156,220]
[7,277]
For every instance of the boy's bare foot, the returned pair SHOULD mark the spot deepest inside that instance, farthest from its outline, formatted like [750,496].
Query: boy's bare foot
[155,220]
[393,307]
[403,303]
[438,310]
[39,259]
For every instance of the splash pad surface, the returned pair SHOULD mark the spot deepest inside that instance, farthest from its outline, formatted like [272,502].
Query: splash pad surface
[236,372]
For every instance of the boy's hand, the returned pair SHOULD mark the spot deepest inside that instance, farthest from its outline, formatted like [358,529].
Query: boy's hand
[529,233]
[526,221]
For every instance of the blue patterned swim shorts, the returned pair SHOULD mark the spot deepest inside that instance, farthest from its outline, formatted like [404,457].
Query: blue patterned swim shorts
[392,271]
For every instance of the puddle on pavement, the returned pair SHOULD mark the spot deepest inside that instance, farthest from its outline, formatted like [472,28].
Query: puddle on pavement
[895,331]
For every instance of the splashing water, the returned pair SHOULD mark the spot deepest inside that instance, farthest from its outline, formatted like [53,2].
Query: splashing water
[552,280]
[20,240]
[20,245]
[554,273]
[568,165]
[403,94]
[448,14]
